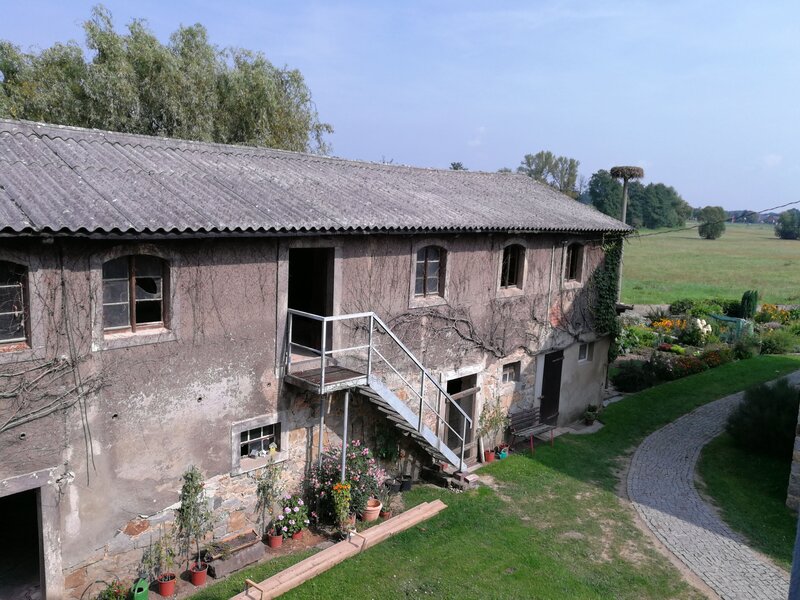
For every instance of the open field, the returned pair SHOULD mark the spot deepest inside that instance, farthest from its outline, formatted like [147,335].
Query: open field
[662,268]
[549,526]
[750,491]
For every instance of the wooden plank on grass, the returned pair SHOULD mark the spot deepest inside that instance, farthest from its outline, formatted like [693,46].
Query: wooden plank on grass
[322,561]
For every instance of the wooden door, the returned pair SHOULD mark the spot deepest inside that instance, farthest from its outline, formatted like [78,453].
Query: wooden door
[551,386]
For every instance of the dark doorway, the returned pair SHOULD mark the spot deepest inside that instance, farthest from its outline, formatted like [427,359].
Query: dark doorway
[310,290]
[463,391]
[551,386]
[20,568]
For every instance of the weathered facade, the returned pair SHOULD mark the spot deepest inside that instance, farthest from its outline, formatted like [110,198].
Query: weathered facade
[100,415]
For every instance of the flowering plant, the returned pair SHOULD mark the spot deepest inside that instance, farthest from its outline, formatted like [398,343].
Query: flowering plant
[362,473]
[341,502]
[295,514]
[668,326]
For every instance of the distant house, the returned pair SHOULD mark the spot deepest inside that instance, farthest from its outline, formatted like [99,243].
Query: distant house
[165,303]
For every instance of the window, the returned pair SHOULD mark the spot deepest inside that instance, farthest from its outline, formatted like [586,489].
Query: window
[513,260]
[510,372]
[13,321]
[133,293]
[257,442]
[430,272]
[586,352]
[573,263]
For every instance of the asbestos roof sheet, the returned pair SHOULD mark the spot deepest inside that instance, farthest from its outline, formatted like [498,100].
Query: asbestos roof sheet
[66,179]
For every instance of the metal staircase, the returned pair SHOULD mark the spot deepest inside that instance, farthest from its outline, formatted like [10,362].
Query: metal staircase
[359,352]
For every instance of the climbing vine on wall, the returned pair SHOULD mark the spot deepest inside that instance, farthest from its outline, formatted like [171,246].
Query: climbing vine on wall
[604,282]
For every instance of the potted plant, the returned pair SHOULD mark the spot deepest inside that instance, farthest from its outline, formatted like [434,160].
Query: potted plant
[157,562]
[194,520]
[269,488]
[372,510]
[341,505]
[295,516]
[385,495]
[493,420]
[590,415]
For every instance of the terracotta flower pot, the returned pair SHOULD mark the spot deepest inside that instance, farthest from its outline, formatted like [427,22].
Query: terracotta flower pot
[488,456]
[297,535]
[274,541]
[166,584]
[386,514]
[372,511]
[198,572]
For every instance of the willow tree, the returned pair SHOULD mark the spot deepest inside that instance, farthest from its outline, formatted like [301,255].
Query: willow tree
[186,88]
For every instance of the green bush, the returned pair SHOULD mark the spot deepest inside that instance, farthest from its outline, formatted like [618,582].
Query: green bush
[714,357]
[747,346]
[749,304]
[663,365]
[794,327]
[765,420]
[682,306]
[687,365]
[730,308]
[779,341]
[633,376]
[691,335]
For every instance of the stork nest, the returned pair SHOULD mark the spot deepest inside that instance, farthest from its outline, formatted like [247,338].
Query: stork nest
[627,172]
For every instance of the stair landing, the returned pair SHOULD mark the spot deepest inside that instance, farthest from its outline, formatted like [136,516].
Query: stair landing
[336,378]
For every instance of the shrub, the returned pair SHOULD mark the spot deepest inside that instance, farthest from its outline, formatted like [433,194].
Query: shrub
[747,346]
[697,308]
[682,306]
[730,308]
[362,472]
[633,376]
[770,313]
[693,334]
[765,420]
[688,365]
[779,341]
[794,327]
[715,357]
[293,516]
[635,336]
[663,365]
[749,304]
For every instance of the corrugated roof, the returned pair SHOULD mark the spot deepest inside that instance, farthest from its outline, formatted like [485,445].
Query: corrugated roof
[67,179]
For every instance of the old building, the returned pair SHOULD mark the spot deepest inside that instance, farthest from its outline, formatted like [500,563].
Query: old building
[154,297]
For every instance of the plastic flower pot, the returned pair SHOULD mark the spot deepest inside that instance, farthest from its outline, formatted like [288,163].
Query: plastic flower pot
[405,484]
[297,535]
[166,584]
[198,572]
[488,456]
[274,541]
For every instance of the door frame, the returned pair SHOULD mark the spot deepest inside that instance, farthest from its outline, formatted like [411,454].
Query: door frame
[51,577]
[444,378]
[540,363]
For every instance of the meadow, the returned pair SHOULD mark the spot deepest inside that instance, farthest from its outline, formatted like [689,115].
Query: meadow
[661,268]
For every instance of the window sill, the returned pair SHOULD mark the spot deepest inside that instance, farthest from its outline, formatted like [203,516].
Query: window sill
[510,292]
[113,341]
[572,284]
[248,465]
[19,352]
[425,301]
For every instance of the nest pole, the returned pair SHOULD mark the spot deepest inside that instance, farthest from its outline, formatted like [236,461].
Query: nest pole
[624,173]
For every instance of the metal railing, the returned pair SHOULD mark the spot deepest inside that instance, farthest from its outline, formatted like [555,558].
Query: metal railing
[374,325]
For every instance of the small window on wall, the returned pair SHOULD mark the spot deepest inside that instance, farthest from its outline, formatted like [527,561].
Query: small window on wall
[586,352]
[259,441]
[12,303]
[574,262]
[511,372]
[133,293]
[430,272]
[513,260]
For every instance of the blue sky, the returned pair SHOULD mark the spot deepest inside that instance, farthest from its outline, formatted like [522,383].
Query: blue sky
[705,96]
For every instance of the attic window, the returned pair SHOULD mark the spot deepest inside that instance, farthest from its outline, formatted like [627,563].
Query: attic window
[573,265]
[430,272]
[133,293]
[12,303]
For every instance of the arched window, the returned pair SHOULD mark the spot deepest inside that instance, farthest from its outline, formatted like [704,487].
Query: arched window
[513,261]
[13,303]
[430,272]
[133,293]
[573,264]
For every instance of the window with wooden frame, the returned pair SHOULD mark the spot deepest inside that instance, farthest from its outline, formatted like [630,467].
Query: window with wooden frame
[13,303]
[511,372]
[586,352]
[134,293]
[513,261]
[573,264]
[430,272]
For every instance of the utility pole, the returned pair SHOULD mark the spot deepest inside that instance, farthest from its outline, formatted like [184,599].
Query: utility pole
[624,173]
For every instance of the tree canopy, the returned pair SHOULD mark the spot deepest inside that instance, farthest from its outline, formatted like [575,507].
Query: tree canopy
[187,88]
[559,172]
[788,225]
[652,206]
[712,222]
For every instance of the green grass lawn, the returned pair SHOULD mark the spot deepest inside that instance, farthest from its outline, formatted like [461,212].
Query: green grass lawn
[662,268]
[550,526]
[750,491]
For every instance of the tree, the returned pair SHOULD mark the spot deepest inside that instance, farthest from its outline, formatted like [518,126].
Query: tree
[559,172]
[187,88]
[788,225]
[712,222]
[457,166]
[504,170]
[606,193]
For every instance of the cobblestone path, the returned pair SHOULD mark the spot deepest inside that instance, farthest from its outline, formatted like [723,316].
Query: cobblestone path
[661,487]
